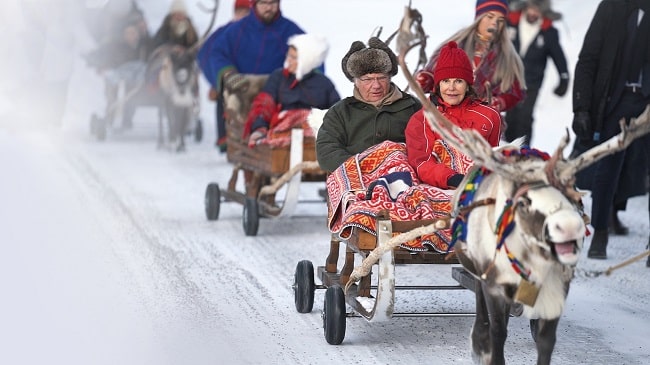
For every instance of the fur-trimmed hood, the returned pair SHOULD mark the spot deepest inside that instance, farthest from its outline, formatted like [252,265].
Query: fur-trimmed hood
[312,51]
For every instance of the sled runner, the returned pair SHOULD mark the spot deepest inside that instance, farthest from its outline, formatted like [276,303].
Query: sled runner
[265,168]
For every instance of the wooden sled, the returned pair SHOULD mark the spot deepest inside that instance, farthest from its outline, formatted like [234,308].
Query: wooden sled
[375,303]
[264,168]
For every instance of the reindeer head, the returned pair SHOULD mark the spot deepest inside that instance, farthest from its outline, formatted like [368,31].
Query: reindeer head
[546,223]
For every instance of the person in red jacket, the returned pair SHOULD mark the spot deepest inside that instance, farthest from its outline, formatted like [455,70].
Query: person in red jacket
[436,162]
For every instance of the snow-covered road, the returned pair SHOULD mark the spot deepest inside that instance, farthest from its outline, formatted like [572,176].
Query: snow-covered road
[108,258]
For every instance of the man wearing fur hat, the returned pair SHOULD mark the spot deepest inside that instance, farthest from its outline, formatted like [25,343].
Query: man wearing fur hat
[536,39]
[256,44]
[378,110]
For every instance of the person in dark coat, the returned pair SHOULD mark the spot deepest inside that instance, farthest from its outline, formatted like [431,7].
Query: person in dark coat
[241,10]
[256,44]
[535,39]
[612,81]
[378,110]
[298,85]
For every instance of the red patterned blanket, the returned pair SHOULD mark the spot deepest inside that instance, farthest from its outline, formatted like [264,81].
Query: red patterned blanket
[381,178]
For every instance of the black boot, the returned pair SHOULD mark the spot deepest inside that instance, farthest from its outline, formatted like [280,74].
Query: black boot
[616,226]
[598,247]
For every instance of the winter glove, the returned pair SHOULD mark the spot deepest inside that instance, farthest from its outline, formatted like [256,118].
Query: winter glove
[561,88]
[455,180]
[256,137]
[213,95]
[582,126]
[425,79]
[234,81]
[497,103]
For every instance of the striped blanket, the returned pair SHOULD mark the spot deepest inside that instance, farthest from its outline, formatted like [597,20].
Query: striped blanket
[381,178]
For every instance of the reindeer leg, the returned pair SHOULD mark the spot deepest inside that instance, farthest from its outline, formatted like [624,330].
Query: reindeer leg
[546,337]
[480,335]
[499,310]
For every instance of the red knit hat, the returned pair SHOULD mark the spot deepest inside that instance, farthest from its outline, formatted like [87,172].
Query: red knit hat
[452,64]
[483,6]
[242,4]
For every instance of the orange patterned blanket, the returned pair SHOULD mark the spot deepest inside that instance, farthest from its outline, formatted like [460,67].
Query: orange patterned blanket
[381,178]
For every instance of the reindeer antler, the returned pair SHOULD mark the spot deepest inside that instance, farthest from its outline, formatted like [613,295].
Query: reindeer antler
[637,127]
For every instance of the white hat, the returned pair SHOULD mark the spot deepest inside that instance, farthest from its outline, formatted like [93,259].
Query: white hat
[178,6]
[312,50]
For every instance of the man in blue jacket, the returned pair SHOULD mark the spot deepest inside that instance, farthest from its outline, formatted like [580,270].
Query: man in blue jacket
[256,44]
[241,9]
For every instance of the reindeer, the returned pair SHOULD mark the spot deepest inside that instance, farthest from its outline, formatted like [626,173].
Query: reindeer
[177,76]
[519,225]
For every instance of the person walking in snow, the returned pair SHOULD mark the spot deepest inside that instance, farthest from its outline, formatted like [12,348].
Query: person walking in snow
[291,91]
[536,39]
[241,9]
[498,69]
[612,81]
[256,44]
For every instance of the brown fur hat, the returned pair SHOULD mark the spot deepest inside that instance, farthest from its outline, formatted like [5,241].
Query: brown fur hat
[376,58]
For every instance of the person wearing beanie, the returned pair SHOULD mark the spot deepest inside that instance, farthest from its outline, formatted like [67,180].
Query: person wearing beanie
[290,92]
[176,29]
[241,9]
[498,69]
[377,111]
[255,44]
[436,162]
[536,40]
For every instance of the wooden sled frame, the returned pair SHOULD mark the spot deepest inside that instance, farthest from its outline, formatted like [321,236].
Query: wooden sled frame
[265,169]
[374,303]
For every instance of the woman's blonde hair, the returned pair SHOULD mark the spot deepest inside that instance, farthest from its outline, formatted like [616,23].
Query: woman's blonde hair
[509,66]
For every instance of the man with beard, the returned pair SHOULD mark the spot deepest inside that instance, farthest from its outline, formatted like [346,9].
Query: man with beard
[256,44]
[536,39]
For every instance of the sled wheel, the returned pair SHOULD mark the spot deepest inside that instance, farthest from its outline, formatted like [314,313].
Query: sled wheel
[198,131]
[251,217]
[534,326]
[334,315]
[303,286]
[212,201]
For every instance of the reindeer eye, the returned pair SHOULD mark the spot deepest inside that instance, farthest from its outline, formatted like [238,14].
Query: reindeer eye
[523,202]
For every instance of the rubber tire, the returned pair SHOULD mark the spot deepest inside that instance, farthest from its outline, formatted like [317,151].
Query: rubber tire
[198,131]
[304,287]
[251,217]
[334,315]
[212,201]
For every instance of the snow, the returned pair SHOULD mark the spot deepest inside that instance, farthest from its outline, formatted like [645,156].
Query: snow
[108,257]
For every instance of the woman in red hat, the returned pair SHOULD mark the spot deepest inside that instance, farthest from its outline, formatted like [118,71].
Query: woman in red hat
[437,163]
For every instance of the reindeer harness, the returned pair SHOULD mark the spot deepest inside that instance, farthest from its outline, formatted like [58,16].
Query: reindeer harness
[505,224]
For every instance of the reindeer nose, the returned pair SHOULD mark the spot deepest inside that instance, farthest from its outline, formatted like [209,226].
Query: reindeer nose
[565,225]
